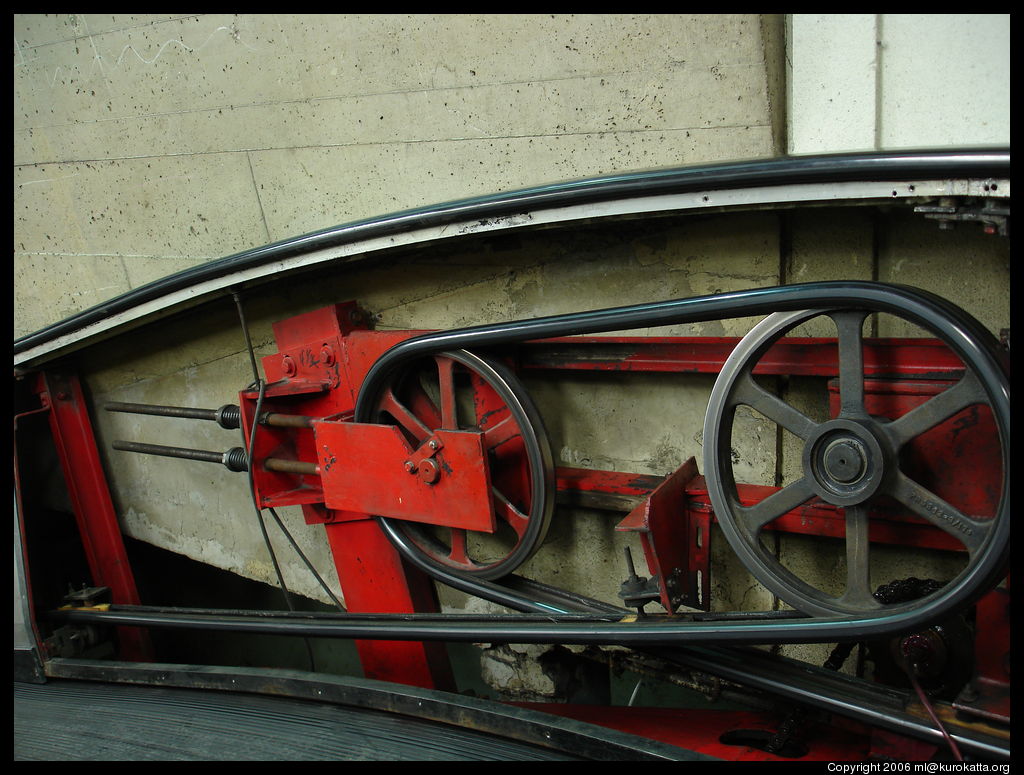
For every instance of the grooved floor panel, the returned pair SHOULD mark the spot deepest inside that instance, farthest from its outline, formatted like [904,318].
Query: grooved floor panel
[79,721]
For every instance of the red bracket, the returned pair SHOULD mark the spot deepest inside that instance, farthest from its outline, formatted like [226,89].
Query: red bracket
[676,541]
[370,469]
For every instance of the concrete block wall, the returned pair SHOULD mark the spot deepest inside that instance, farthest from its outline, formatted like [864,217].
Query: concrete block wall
[889,80]
[146,144]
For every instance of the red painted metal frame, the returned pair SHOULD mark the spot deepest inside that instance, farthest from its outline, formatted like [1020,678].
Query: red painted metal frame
[703,731]
[75,443]
[441,483]
[987,696]
[316,373]
[676,541]
[374,579]
[815,518]
[794,356]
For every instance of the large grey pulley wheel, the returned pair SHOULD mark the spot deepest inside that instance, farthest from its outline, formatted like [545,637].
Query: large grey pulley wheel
[850,461]
[459,390]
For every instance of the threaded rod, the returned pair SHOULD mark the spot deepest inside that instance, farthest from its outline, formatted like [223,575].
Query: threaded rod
[163,411]
[228,416]
[234,459]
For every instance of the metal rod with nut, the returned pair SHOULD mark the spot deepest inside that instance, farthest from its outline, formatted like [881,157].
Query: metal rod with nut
[233,459]
[227,416]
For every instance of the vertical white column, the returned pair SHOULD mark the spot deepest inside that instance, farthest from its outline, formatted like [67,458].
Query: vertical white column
[831,74]
[890,81]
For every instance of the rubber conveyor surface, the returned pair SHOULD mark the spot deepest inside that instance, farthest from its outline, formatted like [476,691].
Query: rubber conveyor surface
[81,721]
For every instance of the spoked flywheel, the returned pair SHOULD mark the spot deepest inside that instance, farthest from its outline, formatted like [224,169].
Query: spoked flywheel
[854,461]
[458,390]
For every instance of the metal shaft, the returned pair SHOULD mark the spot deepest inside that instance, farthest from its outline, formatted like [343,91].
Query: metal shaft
[163,411]
[182,452]
[228,416]
[290,466]
[234,459]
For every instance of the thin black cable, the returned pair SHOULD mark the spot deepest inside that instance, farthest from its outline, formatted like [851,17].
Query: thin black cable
[263,525]
[252,442]
[309,565]
[248,340]
[909,670]
[258,382]
[255,502]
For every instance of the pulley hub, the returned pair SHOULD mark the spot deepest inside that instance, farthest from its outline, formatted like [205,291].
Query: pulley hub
[844,462]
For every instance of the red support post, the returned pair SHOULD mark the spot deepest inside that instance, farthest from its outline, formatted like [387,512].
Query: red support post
[375,580]
[86,482]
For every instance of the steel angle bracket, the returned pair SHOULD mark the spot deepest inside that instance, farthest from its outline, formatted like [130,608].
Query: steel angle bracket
[675,541]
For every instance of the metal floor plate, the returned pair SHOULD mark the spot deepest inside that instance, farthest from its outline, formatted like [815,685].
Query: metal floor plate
[84,721]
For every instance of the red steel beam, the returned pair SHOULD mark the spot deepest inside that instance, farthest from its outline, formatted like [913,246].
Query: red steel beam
[621,491]
[374,579]
[797,356]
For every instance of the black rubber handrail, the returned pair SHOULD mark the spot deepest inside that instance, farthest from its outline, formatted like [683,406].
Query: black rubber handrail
[821,169]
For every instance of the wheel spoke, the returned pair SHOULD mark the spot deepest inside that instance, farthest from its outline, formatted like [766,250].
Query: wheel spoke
[459,553]
[506,511]
[966,392]
[749,393]
[858,571]
[404,416]
[501,432]
[446,382]
[923,502]
[851,361]
[775,505]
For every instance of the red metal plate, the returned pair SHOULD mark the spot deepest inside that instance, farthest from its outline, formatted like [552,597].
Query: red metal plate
[365,468]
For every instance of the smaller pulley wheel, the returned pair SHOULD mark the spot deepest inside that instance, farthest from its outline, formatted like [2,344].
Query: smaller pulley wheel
[859,463]
[459,390]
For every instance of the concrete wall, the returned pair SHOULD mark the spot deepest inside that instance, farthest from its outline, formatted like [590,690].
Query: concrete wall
[874,81]
[146,144]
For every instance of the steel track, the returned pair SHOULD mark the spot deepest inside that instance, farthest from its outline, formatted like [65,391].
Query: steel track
[856,177]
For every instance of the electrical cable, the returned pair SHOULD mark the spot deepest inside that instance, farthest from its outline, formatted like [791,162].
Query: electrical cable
[259,512]
[309,565]
[248,340]
[251,446]
[909,670]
